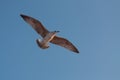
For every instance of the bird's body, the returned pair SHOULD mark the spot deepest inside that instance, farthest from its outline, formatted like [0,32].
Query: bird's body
[48,36]
[44,43]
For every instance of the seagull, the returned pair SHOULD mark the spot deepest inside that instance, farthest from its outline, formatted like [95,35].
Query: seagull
[48,36]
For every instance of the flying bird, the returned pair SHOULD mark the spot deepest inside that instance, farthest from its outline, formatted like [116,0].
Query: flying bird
[48,36]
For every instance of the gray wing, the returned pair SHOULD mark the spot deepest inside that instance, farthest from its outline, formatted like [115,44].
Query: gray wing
[37,25]
[64,43]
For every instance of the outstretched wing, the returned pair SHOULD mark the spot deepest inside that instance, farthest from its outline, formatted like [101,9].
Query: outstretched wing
[64,43]
[37,25]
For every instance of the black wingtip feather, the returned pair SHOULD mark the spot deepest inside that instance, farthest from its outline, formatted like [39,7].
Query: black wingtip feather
[22,15]
[76,51]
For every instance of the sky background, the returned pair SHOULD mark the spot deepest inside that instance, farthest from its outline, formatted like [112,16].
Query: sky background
[93,26]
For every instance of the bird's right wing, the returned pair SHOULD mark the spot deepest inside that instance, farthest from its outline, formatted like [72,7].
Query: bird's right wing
[37,25]
[64,43]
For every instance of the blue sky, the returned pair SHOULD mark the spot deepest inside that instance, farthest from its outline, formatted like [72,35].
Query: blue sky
[93,26]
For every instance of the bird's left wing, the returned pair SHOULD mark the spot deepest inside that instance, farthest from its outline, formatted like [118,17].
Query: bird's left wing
[37,25]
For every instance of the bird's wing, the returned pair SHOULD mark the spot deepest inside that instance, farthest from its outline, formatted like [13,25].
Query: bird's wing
[37,25]
[64,43]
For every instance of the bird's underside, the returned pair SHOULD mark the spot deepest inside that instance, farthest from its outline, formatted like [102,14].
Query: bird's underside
[48,36]
[44,44]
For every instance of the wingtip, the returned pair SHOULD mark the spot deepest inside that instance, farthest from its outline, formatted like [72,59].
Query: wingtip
[77,51]
[23,16]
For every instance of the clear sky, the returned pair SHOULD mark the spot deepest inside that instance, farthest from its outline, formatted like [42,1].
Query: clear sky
[93,26]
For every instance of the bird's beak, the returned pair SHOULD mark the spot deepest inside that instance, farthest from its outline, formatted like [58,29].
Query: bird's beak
[57,31]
